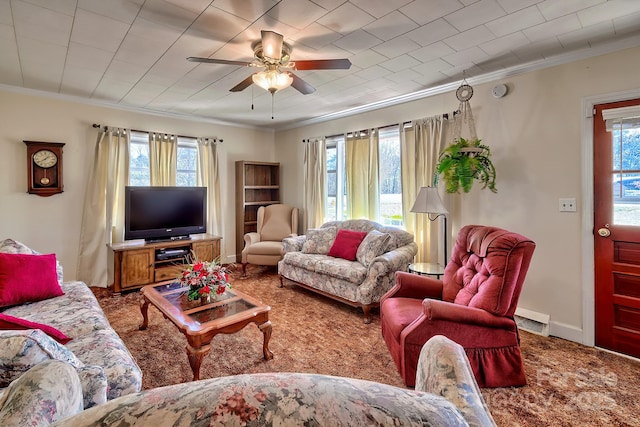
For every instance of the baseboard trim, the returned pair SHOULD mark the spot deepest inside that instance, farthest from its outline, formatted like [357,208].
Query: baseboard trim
[567,332]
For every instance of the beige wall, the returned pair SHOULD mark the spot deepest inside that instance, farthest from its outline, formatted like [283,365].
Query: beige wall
[535,136]
[52,224]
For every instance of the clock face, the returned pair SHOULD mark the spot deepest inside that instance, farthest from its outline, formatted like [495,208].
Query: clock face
[45,158]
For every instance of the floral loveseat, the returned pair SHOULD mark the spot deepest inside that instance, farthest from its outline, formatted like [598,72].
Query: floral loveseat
[361,282]
[446,395]
[105,366]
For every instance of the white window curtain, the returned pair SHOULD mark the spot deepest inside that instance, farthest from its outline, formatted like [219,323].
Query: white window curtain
[363,188]
[315,178]
[103,213]
[163,159]
[421,143]
[209,176]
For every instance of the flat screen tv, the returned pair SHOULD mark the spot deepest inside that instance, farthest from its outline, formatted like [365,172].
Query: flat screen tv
[164,213]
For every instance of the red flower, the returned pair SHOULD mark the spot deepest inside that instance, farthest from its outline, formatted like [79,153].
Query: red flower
[205,290]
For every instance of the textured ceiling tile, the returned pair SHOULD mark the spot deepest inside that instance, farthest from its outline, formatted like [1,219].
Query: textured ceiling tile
[120,10]
[316,36]
[10,71]
[470,38]
[98,31]
[431,52]
[164,13]
[5,13]
[87,57]
[390,26]
[476,14]
[357,41]
[249,10]
[431,67]
[552,28]
[629,24]
[367,58]
[396,47]
[80,81]
[515,22]
[41,24]
[511,6]
[425,11]
[474,54]
[346,19]
[379,8]
[67,7]
[603,11]
[297,13]
[504,44]
[432,32]
[111,89]
[552,9]
[125,71]
[400,63]
[7,33]
[584,37]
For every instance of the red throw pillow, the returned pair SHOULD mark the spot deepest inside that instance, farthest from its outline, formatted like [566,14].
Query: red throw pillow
[27,278]
[17,324]
[346,244]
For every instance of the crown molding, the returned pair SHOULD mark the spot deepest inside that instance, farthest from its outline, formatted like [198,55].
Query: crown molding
[129,108]
[552,61]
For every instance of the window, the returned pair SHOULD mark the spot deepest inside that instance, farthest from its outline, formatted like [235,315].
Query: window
[626,174]
[187,160]
[389,176]
[139,159]
[336,180]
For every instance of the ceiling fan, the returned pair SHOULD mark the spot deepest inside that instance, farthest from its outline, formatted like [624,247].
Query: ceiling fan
[273,54]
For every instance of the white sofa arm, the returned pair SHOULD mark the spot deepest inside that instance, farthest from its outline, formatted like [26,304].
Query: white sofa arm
[46,393]
[444,370]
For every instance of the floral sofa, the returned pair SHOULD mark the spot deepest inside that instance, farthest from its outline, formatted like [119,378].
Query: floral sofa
[106,368]
[446,394]
[361,282]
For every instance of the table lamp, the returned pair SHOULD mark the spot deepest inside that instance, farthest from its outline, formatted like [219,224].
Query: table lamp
[429,202]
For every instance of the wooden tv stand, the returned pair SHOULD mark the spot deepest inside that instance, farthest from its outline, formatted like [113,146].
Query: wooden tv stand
[137,263]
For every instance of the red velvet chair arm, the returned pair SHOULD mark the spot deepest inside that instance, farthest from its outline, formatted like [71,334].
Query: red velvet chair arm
[410,285]
[446,311]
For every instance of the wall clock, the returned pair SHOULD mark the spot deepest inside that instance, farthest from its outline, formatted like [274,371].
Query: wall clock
[44,167]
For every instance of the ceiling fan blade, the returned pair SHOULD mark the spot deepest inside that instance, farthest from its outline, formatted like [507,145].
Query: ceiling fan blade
[302,86]
[323,64]
[243,84]
[217,61]
[272,45]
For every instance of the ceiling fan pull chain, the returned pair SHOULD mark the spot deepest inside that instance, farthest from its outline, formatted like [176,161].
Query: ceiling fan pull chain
[271,105]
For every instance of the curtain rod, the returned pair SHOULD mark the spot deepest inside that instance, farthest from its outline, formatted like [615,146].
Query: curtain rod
[215,140]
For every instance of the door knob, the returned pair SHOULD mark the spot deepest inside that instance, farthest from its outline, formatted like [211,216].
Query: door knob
[604,232]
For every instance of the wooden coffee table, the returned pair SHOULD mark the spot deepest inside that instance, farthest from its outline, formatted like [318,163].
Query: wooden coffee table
[200,323]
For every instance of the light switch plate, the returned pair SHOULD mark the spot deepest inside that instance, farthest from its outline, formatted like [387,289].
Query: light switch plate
[568,204]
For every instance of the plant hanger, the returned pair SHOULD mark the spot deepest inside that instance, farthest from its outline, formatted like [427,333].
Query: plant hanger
[464,94]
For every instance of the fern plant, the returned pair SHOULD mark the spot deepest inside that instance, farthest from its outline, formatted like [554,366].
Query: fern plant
[463,162]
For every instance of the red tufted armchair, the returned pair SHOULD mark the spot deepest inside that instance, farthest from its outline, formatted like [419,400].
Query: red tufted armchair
[472,305]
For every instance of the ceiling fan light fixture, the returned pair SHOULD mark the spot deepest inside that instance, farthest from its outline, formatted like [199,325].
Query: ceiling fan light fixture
[272,80]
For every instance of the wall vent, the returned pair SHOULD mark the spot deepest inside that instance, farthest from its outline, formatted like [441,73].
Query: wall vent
[532,321]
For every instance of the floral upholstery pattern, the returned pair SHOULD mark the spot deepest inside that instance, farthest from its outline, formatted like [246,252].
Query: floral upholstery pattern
[101,353]
[23,349]
[319,240]
[48,392]
[373,245]
[384,252]
[446,394]
[78,314]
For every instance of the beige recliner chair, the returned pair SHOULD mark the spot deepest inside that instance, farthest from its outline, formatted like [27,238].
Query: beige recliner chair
[264,247]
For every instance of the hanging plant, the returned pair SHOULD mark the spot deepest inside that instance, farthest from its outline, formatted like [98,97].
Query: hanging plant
[463,162]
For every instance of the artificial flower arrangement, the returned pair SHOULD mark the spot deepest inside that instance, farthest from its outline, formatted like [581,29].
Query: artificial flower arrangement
[205,279]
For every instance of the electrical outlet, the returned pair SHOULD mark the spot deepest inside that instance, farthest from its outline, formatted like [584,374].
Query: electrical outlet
[568,205]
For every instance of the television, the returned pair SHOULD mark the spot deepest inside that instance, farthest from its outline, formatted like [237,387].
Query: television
[164,213]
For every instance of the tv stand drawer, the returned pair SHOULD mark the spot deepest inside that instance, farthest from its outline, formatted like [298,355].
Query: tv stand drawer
[168,273]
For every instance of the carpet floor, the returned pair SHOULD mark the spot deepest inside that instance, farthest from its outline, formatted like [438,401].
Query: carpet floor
[568,384]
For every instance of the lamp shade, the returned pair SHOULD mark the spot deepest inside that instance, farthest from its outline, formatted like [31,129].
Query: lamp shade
[272,80]
[429,201]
